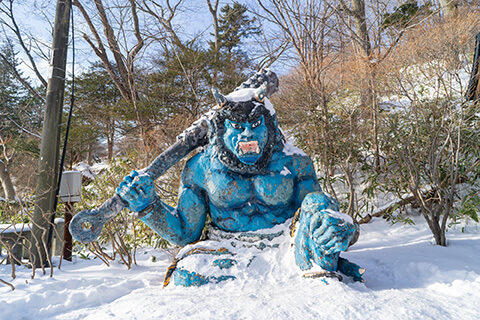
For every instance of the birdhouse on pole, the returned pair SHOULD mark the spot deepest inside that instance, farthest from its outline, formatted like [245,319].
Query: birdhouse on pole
[70,192]
[70,187]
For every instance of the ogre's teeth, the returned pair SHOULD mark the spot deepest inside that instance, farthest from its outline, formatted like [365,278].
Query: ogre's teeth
[249,147]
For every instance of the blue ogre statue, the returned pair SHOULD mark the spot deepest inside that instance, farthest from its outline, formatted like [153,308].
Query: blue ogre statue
[247,180]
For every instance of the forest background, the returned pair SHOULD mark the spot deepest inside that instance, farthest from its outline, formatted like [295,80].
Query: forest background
[373,91]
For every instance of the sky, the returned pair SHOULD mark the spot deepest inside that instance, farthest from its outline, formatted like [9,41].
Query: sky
[36,21]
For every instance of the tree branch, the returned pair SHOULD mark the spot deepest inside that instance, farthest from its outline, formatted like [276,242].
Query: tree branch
[16,30]
[8,284]
[24,82]
[166,22]
[101,52]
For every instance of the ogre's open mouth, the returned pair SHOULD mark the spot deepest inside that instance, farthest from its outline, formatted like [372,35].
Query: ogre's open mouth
[248,147]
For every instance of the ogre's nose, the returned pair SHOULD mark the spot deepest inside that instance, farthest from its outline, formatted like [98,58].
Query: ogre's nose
[247,133]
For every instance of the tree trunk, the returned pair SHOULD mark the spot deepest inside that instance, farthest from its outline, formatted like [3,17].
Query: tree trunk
[362,40]
[375,113]
[213,10]
[351,188]
[110,142]
[449,8]
[7,184]
[89,155]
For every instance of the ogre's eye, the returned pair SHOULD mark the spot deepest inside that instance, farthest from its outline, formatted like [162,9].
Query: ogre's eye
[237,126]
[257,123]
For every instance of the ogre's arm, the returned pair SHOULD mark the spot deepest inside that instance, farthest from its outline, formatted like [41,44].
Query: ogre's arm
[305,180]
[181,225]
[323,231]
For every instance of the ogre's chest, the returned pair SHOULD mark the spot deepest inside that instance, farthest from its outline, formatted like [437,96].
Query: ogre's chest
[228,190]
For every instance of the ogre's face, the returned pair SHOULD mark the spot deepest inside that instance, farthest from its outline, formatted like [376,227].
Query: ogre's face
[245,136]
[246,140]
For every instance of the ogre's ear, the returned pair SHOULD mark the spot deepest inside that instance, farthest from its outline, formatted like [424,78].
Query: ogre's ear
[219,98]
[260,93]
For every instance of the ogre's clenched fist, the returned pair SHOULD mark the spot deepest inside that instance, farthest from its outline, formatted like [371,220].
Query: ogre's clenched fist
[137,190]
[323,232]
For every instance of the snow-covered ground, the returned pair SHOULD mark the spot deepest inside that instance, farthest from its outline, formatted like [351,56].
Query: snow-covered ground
[407,278]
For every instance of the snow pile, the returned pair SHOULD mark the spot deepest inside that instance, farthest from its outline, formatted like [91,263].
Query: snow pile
[407,278]
[90,172]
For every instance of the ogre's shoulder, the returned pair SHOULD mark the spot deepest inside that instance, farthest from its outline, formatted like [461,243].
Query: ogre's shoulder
[293,159]
[194,170]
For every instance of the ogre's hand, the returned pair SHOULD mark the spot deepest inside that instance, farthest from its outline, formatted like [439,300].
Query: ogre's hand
[331,231]
[323,232]
[137,190]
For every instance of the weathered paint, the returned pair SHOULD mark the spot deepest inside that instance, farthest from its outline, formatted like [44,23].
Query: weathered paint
[188,278]
[228,255]
[254,133]
[223,263]
[172,268]
[321,235]
[87,225]
[242,189]
[351,269]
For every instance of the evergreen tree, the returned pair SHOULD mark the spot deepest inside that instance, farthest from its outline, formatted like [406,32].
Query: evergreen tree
[19,116]
[97,115]
[231,62]
[234,26]
[405,14]
[10,91]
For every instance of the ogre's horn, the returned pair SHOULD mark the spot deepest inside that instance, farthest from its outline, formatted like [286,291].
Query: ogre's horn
[219,98]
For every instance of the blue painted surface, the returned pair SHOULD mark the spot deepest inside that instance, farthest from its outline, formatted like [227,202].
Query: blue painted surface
[187,278]
[350,269]
[249,134]
[264,189]
[321,235]
[137,201]
[224,263]
[87,225]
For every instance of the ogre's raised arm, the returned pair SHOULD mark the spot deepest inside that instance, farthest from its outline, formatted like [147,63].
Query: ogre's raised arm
[181,225]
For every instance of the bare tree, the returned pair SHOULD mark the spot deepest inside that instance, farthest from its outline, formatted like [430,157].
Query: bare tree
[213,8]
[164,15]
[10,22]
[433,143]
[122,38]
[359,32]
[305,26]
[19,36]
[122,69]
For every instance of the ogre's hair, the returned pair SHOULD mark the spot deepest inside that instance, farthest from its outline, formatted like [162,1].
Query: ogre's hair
[242,112]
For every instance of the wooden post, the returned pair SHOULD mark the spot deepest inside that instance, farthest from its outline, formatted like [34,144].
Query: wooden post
[69,193]
[67,237]
[49,148]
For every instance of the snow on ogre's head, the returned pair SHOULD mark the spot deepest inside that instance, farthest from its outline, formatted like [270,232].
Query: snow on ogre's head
[245,131]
